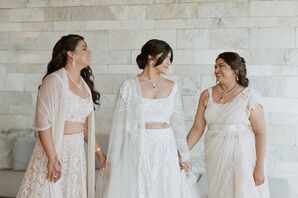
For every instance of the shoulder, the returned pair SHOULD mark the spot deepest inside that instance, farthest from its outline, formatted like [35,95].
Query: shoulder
[172,85]
[252,93]
[52,80]
[127,86]
[204,97]
[169,82]
[205,94]
[128,83]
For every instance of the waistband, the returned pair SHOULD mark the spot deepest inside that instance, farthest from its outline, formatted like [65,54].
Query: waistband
[73,135]
[232,128]
[165,130]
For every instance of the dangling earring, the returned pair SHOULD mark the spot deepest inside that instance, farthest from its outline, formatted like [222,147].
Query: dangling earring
[73,62]
[237,78]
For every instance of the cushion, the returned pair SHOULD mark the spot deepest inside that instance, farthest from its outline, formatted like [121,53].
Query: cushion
[22,151]
[279,187]
[6,145]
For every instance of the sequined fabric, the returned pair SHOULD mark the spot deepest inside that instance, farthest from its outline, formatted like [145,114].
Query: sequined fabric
[78,108]
[72,183]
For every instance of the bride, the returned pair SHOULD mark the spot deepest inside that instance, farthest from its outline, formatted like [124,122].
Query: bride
[148,147]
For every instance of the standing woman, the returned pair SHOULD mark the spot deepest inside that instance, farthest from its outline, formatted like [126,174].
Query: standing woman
[148,131]
[235,141]
[64,118]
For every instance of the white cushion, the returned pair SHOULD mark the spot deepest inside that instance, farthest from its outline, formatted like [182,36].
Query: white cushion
[22,151]
[279,187]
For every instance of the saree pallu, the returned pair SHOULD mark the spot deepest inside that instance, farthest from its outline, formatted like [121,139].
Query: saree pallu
[230,149]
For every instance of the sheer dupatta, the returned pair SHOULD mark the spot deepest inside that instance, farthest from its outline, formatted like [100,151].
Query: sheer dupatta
[51,112]
[123,151]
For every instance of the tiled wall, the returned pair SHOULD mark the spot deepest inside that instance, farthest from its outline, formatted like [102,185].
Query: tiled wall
[264,32]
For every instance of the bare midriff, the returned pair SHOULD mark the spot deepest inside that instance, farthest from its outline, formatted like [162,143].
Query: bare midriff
[156,125]
[73,127]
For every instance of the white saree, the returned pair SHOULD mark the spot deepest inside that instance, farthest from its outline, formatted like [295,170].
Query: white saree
[143,163]
[51,112]
[230,151]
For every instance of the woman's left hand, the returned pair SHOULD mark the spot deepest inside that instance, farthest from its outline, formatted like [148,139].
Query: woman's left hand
[259,175]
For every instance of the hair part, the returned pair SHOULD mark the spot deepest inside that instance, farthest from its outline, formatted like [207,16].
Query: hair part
[237,63]
[153,48]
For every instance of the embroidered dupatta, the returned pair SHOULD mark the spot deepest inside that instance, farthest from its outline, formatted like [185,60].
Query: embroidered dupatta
[126,132]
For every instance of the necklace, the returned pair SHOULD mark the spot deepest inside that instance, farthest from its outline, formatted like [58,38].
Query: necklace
[152,82]
[79,86]
[224,93]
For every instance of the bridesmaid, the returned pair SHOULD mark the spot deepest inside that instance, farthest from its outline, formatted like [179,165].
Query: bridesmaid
[235,142]
[64,118]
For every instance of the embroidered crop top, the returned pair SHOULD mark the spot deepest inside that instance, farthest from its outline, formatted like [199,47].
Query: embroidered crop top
[159,110]
[78,109]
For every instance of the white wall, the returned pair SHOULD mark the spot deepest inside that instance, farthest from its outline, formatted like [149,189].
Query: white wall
[263,32]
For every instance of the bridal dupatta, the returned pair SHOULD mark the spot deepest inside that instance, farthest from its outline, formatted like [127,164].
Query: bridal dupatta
[124,145]
[123,152]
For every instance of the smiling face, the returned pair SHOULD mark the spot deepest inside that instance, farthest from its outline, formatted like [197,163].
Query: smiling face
[223,72]
[164,66]
[82,55]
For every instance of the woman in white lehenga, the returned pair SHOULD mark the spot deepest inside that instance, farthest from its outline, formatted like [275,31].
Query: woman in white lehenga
[148,132]
[64,118]
[235,141]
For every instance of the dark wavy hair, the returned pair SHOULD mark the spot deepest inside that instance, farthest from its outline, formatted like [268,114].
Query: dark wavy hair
[237,63]
[154,47]
[59,58]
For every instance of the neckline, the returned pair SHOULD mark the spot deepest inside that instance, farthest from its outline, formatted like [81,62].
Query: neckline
[84,84]
[78,95]
[231,100]
[141,95]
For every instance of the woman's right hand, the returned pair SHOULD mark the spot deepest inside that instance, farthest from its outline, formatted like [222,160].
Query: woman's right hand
[54,169]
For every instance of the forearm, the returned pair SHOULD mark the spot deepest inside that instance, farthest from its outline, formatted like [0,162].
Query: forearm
[47,143]
[194,136]
[260,148]
[98,150]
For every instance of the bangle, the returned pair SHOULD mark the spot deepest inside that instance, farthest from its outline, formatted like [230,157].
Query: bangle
[98,149]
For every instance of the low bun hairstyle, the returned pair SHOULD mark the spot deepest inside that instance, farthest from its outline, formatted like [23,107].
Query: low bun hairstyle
[237,63]
[154,47]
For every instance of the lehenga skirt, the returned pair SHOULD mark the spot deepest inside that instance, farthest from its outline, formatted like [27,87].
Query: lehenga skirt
[159,171]
[72,183]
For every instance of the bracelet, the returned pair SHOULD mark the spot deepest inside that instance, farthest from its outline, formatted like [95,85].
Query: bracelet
[98,149]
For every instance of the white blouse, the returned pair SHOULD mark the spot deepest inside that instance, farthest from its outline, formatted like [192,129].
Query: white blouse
[159,110]
[78,108]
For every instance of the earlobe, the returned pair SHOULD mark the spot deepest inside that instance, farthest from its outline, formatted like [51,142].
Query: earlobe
[150,59]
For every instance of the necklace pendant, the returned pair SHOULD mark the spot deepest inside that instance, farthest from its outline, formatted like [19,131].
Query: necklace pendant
[153,86]
[221,99]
